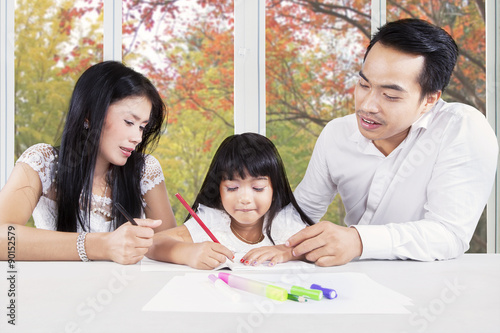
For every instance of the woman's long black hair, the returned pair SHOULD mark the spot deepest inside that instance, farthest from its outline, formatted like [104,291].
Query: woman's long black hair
[100,86]
[253,154]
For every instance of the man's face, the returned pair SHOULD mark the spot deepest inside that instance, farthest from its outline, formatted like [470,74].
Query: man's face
[387,96]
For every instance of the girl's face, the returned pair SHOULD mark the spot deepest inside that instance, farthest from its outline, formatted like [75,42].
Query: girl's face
[247,200]
[123,128]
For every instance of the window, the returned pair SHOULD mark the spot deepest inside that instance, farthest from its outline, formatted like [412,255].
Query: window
[54,42]
[186,48]
[314,51]
[311,50]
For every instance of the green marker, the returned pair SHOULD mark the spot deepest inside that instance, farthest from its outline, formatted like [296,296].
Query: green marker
[300,299]
[301,291]
[309,293]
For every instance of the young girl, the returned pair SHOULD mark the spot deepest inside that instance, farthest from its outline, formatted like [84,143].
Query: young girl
[115,116]
[246,202]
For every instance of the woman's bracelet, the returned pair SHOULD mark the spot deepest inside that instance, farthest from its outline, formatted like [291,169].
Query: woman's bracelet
[80,246]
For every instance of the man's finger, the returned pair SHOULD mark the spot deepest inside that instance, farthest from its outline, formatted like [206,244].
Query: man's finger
[304,234]
[308,245]
[316,254]
[327,261]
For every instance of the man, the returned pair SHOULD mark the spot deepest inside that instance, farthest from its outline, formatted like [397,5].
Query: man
[413,171]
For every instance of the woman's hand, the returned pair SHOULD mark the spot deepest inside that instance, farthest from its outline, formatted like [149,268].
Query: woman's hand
[207,255]
[128,244]
[274,254]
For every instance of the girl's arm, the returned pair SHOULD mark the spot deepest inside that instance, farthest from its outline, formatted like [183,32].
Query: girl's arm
[176,246]
[274,254]
[18,199]
[158,207]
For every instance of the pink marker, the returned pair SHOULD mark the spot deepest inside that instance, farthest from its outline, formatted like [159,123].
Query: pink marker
[254,287]
[224,288]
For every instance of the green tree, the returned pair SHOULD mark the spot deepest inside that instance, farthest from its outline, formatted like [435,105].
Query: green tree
[47,62]
[195,78]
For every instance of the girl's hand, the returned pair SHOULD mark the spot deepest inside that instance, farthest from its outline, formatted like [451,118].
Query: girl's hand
[207,255]
[129,243]
[274,254]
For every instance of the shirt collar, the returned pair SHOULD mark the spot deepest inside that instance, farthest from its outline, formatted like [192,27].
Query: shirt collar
[426,118]
[366,146]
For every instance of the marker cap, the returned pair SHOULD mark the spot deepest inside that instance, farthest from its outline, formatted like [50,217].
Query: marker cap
[224,288]
[312,294]
[276,293]
[329,293]
[224,276]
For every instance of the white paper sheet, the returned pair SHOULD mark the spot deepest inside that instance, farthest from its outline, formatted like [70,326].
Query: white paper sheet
[357,293]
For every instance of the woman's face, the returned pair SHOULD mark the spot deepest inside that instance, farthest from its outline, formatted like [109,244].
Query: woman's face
[123,129]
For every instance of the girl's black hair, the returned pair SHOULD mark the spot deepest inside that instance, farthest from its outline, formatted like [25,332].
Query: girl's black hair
[100,86]
[253,154]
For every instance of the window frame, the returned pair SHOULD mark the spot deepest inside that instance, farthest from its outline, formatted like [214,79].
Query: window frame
[7,92]
[492,115]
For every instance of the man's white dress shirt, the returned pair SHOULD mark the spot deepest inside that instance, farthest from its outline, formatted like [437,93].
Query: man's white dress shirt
[423,200]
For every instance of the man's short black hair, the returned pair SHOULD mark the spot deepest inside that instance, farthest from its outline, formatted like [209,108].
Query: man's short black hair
[420,37]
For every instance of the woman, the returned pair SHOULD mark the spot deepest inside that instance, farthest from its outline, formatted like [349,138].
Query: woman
[115,114]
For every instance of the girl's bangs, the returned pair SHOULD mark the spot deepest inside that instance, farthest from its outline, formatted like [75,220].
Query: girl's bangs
[238,165]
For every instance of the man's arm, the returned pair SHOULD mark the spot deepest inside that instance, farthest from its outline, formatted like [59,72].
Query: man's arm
[455,197]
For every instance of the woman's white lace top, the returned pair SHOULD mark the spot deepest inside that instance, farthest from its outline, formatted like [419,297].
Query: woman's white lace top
[41,158]
[286,223]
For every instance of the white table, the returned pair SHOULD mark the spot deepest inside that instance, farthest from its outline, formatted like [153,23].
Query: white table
[461,295]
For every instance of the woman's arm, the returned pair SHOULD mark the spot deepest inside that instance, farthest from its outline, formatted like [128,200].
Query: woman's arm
[158,207]
[20,195]
[18,199]
[125,245]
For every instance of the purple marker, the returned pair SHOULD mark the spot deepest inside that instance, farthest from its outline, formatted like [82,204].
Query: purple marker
[327,292]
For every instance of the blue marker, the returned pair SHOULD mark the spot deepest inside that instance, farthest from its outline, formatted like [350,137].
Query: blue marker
[327,292]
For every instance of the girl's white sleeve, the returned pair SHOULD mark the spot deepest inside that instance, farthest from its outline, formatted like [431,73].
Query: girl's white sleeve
[215,220]
[286,223]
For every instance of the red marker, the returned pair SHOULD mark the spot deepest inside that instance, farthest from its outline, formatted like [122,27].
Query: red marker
[193,214]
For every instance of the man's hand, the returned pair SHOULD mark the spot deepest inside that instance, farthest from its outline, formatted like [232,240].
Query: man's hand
[326,244]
